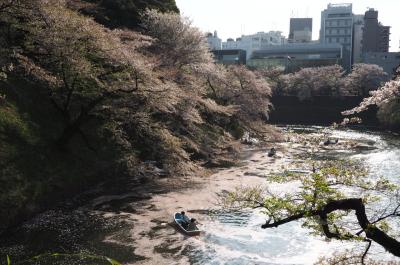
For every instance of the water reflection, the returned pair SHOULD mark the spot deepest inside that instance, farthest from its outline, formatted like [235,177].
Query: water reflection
[229,238]
[237,238]
[229,241]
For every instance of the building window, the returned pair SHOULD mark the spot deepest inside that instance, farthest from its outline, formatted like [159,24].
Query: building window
[337,40]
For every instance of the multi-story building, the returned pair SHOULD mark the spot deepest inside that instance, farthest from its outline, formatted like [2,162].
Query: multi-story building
[375,35]
[231,44]
[294,56]
[337,27]
[300,30]
[213,41]
[358,27]
[389,61]
[254,42]
[371,42]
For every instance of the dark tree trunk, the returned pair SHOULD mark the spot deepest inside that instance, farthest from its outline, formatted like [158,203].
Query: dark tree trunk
[371,231]
[70,131]
[74,127]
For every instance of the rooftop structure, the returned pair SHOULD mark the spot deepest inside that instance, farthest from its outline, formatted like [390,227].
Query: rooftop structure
[254,42]
[213,41]
[300,30]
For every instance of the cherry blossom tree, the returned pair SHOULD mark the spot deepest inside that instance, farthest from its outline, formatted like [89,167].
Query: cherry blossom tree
[387,99]
[314,81]
[364,78]
[178,41]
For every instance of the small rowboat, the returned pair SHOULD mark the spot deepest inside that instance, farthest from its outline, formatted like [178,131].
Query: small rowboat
[182,223]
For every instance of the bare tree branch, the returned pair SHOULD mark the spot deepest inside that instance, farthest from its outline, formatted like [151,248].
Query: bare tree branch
[372,232]
[366,251]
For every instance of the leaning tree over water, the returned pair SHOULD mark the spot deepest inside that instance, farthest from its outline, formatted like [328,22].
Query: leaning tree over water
[338,201]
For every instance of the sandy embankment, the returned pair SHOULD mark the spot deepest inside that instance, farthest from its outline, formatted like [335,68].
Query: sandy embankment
[158,242]
[147,222]
[153,236]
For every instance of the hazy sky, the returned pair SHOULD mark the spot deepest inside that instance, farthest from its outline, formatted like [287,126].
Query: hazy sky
[232,18]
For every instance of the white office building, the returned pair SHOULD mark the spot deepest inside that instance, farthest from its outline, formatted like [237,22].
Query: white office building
[254,42]
[337,27]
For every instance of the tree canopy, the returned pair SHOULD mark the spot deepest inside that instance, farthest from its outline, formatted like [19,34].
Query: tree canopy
[327,81]
[122,13]
[94,102]
[387,99]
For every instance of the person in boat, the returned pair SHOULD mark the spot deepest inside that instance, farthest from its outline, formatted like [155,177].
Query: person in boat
[192,225]
[184,220]
[272,152]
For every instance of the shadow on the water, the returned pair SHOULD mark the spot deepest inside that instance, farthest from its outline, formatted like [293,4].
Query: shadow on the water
[102,221]
[94,222]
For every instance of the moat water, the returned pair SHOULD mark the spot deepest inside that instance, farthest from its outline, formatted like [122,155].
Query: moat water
[134,227]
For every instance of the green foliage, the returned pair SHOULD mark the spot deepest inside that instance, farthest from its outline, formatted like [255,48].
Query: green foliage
[331,182]
[13,125]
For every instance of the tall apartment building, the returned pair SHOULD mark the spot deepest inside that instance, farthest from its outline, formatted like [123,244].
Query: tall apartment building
[337,27]
[375,35]
[300,30]
[254,42]
[358,28]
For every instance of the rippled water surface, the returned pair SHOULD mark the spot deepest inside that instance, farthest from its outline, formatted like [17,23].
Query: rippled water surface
[237,240]
[137,232]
